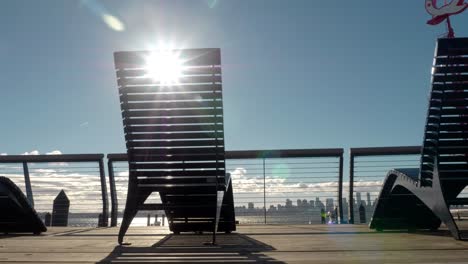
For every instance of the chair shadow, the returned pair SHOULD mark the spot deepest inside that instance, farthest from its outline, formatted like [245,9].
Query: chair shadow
[184,248]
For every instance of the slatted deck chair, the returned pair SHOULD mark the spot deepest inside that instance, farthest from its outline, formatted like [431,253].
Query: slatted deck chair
[421,198]
[17,215]
[173,127]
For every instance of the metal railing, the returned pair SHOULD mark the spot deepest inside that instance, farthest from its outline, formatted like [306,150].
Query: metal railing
[368,168]
[270,186]
[312,177]
[42,177]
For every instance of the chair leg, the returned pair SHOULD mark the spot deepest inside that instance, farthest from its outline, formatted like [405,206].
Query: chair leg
[440,207]
[227,212]
[443,212]
[128,216]
[135,197]
[219,204]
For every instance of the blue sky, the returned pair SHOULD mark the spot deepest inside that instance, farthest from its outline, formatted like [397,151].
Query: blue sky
[296,74]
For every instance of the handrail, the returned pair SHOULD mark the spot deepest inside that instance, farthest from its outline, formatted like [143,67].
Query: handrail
[51,158]
[242,154]
[25,159]
[373,151]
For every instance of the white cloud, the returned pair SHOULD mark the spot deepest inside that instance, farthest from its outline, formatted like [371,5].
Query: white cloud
[34,152]
[122,174]
[54,152]
[3,154]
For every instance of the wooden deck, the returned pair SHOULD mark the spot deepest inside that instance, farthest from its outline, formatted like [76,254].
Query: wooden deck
[253,243]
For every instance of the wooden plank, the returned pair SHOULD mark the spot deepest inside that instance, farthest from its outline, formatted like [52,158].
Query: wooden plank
[206,70]
[453,143]
[451,61]
[177,173]
[448,86]
[176,112]
[177,166]
[174,128]
[191,57]
[451,135]
[188,188]
[179,143]
[173,105]
[181,180]
[169,136]
[450,94]
[452,46]
[194,157]
[173,120]
[445,150]
[173,88]
[450,69]
[451,166]
[455,119]
[125,82]
[452,158]
[179,151]
[449,78]
[453,128]
[448,103]
[448,111]
[171,97]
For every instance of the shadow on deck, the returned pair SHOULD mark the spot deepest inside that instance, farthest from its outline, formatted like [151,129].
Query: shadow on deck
[188,248]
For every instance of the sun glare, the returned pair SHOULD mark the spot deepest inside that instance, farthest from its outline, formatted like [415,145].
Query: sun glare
[164,67]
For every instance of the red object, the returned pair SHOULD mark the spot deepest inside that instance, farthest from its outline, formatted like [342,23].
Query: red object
[439,14]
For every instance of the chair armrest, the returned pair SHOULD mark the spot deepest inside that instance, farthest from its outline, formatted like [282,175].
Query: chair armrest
[412,173]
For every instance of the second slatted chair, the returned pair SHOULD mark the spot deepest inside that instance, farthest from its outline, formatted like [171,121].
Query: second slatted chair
[421,198]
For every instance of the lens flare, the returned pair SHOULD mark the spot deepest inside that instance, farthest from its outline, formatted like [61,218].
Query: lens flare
[280,171]
[113,22]
[99,10]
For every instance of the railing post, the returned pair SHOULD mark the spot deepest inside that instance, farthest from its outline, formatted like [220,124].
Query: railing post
[351,187]
[27,183]
[264,191]
[113,193]
[340,190]
[105,203]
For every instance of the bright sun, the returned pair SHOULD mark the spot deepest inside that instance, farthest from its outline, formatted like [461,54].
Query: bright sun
[164,67]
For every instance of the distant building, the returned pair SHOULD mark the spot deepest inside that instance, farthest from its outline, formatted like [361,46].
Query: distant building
[329,205]
[312,203]
[368,200]
[358,198]
[345,209]
[250,205]
[319,204]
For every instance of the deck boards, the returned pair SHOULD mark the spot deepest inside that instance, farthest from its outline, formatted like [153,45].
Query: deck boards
[252,243]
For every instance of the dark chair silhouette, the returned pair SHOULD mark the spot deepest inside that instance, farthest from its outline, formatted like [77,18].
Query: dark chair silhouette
[175,142]
[17,214]
[421,198]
